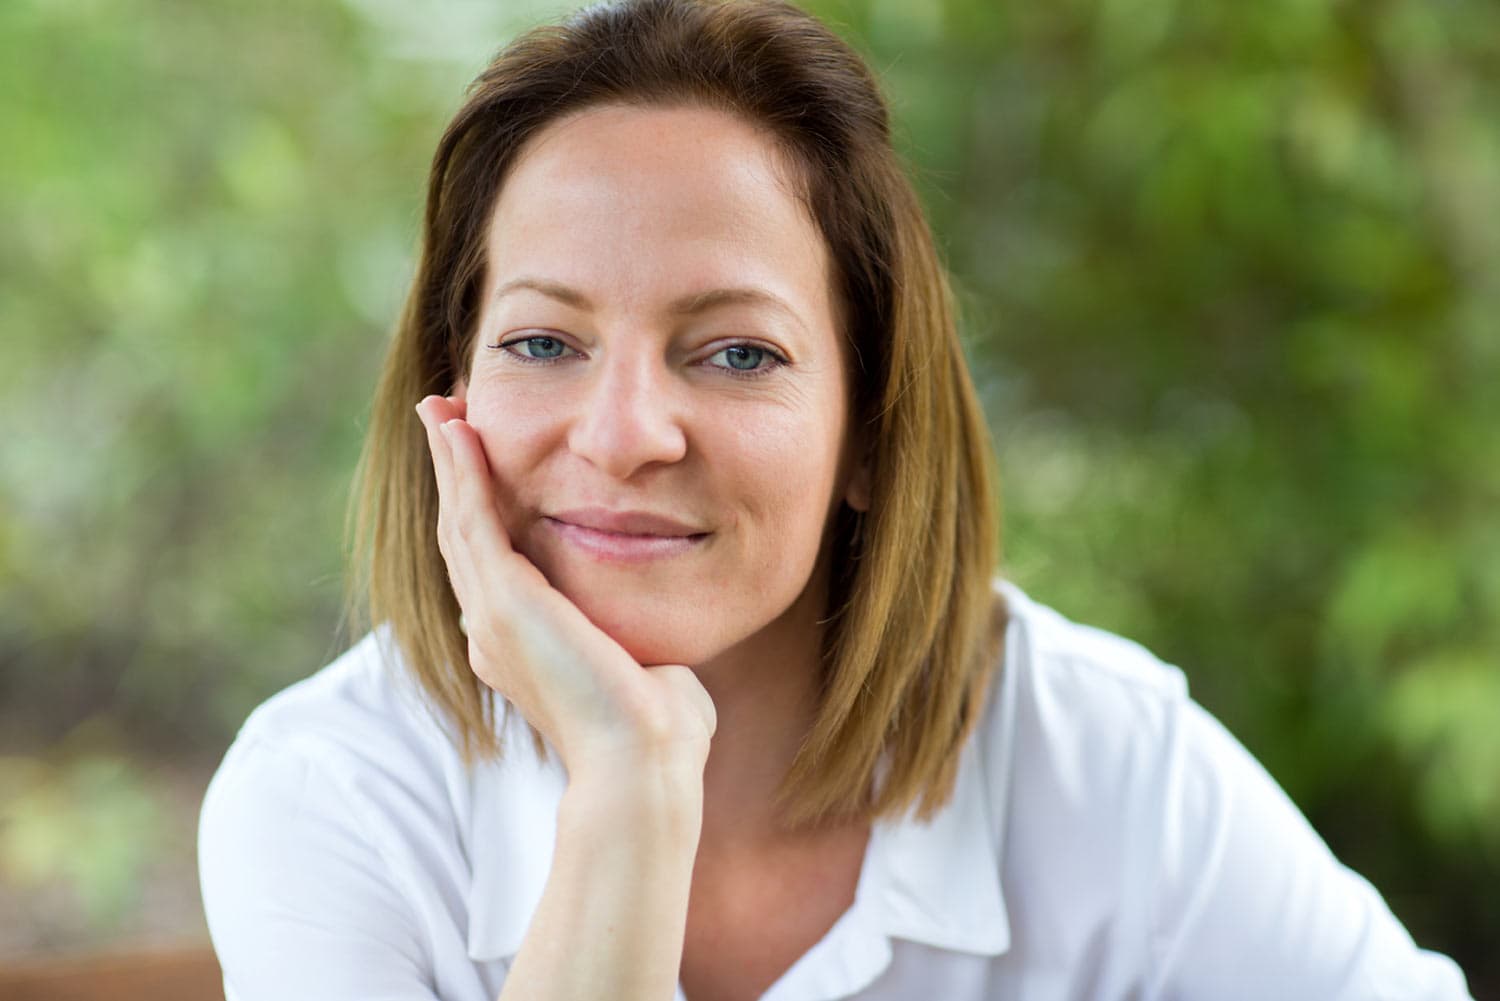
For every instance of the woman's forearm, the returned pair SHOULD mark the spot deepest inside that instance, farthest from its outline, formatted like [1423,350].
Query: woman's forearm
[614,911]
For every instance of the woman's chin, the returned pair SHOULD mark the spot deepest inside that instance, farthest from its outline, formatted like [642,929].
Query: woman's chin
[650,647]
[651,635]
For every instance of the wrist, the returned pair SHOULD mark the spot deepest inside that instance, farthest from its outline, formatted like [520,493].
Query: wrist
[660,799]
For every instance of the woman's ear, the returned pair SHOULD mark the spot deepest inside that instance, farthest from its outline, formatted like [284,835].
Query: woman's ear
[857,489]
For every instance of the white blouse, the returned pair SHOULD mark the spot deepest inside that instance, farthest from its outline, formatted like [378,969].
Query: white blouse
[1107,839]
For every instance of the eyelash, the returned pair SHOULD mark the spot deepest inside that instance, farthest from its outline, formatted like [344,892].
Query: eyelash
[777,360]
[527,359]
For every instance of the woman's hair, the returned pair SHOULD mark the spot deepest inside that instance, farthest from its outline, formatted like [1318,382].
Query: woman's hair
[912,620]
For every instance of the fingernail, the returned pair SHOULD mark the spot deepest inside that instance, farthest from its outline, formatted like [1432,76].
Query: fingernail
[447,428]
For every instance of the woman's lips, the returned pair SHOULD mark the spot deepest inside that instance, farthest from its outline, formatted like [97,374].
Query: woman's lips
[624,536]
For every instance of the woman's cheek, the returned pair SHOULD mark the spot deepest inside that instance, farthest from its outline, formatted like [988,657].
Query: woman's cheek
[507,480]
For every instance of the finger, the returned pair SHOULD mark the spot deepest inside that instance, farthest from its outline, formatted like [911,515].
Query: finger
[476,517]
[430,411]
[681,678]
[433,411]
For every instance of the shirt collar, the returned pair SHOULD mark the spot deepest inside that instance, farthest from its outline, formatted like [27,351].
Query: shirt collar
[938,882]
[935,882]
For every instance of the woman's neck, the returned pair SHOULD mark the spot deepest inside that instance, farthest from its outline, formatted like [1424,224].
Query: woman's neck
[765,693]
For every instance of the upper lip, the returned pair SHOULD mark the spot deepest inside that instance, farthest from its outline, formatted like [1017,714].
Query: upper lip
[625,522]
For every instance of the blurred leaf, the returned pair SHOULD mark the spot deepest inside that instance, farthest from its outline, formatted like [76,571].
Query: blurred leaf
[89,823]
[1442,712]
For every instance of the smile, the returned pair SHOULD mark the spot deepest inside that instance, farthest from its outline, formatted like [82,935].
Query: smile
[624,537]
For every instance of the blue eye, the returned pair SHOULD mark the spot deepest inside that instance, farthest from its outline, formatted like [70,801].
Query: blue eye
[746,358]
[541,348]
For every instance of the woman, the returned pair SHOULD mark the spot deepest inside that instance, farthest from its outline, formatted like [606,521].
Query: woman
[700,490]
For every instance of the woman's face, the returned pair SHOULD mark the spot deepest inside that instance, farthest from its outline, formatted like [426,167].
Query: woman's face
[658,378]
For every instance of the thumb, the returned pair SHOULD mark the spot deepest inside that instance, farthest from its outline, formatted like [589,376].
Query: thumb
[690,691]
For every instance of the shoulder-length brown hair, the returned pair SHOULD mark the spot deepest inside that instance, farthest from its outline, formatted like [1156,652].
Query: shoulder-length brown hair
[912,618]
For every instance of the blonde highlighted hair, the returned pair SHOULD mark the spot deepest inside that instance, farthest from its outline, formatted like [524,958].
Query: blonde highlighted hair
[913,623]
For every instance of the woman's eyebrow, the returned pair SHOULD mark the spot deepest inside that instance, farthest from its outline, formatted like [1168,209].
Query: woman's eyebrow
[553,290]
[688,305]
[702,302]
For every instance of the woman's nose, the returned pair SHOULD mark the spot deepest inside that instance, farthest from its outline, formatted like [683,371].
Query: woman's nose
[629,418]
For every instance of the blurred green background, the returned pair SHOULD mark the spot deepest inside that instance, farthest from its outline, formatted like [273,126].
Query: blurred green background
[1231,280]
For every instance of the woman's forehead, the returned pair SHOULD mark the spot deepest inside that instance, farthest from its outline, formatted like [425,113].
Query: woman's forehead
[658,202]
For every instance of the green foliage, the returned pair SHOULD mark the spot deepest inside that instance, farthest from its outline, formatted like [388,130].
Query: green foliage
[1229,272]
[89,824]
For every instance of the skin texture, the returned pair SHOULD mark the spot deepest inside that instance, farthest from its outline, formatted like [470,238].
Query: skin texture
[637,212]
[658,337]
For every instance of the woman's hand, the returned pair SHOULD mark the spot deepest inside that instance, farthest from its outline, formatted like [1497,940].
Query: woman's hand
[634,741]
[597,706]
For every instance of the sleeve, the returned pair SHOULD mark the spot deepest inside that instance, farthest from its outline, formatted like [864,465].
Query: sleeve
[1251,904]
[299,905]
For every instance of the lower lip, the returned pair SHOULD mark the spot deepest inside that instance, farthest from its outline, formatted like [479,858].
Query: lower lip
[621,548]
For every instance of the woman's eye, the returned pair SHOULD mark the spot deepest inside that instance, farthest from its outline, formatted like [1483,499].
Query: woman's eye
[537,348]
[744,358]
